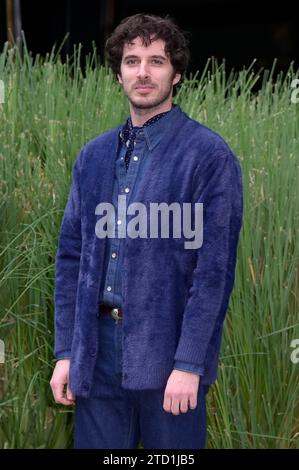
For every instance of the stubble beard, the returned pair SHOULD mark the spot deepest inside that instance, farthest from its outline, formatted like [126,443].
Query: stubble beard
[151,104]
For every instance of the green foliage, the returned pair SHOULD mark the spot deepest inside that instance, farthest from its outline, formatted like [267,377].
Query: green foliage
[51,109]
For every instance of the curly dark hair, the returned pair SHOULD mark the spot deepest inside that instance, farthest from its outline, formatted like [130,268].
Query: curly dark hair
[150,28]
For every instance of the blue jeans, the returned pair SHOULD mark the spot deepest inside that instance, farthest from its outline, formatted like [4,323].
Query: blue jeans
[117,418]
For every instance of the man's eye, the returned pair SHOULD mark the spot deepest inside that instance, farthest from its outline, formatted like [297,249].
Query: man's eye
[134,61]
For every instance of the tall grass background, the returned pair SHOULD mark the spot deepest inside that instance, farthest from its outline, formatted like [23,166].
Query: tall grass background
[51,110]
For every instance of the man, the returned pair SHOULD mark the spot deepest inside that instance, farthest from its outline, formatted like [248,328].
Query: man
[138,318]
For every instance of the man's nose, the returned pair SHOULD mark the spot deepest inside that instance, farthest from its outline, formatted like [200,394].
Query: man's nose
[143,71]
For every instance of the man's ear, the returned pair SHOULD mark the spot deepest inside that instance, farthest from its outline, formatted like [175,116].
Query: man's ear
[119,78]
[177,78]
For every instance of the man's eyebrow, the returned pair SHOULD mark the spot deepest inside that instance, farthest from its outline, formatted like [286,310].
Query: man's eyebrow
[132,56]
[159,57]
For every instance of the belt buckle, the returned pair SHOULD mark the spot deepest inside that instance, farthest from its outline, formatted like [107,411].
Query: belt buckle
[114,313]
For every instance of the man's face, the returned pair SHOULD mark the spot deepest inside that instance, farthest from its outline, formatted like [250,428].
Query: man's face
[146,74]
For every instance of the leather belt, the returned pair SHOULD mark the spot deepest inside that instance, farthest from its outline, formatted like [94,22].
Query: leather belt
[115,312]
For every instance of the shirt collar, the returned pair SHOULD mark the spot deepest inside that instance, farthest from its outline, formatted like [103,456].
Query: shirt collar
[154,132]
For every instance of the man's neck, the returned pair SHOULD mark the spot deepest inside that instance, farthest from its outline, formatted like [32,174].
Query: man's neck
[140,116]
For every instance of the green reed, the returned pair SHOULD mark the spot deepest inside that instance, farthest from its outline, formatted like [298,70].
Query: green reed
[51,109]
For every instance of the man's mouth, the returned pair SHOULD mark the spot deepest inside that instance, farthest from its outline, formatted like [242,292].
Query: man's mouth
[144,87]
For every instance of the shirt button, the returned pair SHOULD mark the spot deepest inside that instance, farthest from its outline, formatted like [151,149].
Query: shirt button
[113,255]
[135,158]
[109,288]
[127,190]
[118,222]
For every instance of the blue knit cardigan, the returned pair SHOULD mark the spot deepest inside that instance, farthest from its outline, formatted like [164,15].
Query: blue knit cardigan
[174,299]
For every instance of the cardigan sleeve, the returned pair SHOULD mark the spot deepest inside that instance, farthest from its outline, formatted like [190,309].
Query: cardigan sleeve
[218,186]
[67,267]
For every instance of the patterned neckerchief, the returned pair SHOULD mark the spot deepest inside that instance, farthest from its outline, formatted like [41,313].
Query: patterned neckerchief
[128,134]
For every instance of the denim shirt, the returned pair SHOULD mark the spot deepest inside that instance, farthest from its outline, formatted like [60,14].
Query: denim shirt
[126,183]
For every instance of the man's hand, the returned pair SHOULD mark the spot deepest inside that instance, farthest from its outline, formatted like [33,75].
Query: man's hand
[60,378]
[181,387]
